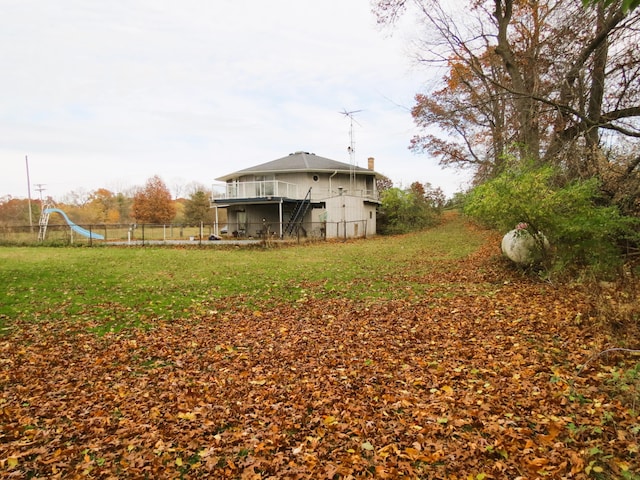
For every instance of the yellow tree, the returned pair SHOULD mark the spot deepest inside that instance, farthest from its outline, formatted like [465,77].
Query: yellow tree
[473,115]
[153,204]
[102,207]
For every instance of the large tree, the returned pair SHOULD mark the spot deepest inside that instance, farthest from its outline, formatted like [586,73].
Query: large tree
[153,203]
[545,80]
[102,207]
[197,208]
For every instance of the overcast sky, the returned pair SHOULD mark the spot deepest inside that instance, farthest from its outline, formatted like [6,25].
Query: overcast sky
[109,93]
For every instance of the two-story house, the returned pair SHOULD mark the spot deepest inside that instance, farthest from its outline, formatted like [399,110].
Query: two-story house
[300,194]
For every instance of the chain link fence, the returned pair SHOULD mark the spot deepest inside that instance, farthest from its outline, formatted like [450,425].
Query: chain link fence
[148,234]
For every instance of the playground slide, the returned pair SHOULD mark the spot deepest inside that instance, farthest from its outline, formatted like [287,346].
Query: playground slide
[74,227]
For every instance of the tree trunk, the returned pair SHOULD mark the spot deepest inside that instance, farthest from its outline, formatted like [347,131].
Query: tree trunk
[525,105]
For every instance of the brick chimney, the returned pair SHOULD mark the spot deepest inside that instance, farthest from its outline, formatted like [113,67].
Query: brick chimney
[371,161]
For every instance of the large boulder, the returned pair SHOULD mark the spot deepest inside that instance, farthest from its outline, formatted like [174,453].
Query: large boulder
[523,248]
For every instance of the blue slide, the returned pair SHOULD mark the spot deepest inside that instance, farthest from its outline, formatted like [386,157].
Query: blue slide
[74,227]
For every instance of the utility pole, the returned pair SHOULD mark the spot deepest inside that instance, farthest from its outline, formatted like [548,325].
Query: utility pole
[26,160]
[40,189]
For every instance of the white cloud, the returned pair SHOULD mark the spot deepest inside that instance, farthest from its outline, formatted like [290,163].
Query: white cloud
[110,93]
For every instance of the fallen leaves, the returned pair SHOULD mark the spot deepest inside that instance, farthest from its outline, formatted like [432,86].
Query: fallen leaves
[475,380]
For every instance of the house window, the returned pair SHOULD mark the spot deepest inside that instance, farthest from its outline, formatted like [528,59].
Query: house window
[264,186]
[315,178]
[370,215]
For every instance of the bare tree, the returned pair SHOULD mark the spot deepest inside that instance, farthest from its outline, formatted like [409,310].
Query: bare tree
[547,77]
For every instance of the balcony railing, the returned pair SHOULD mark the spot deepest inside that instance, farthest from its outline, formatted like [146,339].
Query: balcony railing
[277,188]
[260,189]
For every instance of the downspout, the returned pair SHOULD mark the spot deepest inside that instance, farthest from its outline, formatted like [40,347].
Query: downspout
[330,177]
[280,222]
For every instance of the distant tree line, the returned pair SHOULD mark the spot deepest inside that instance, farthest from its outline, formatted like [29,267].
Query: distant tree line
[402,209]
[152,204]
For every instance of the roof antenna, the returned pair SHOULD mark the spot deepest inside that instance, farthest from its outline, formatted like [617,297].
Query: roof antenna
[352,146]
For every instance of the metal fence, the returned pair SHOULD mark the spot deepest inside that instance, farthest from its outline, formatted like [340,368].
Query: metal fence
[147,234]
[307,230]
[117,234]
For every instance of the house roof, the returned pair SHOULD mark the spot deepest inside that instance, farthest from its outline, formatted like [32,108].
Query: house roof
[298,162]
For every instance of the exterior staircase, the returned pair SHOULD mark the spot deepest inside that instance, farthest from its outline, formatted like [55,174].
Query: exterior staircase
[297,215]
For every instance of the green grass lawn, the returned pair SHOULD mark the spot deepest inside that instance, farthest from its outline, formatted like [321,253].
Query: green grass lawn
[109,288]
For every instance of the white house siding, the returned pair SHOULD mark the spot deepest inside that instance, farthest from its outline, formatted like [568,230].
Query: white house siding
[351,214]
[323,185]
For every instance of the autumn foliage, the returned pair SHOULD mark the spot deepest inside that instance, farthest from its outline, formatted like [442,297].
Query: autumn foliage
[488,375]
[153,203]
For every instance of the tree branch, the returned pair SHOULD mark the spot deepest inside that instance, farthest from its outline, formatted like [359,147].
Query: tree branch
[609,350]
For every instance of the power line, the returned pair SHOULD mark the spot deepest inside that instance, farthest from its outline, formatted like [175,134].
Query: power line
[40,188]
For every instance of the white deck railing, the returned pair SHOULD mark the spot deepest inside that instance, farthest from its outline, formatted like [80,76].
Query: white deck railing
[261,189]
[277,188]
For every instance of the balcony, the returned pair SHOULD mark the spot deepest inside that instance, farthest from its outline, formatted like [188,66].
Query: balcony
[261,189]
[280,189]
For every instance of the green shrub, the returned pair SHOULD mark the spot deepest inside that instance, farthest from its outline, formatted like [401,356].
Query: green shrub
[408,210]
[584,232]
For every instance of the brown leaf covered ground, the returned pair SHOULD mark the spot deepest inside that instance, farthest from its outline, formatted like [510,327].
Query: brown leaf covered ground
[478,379]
